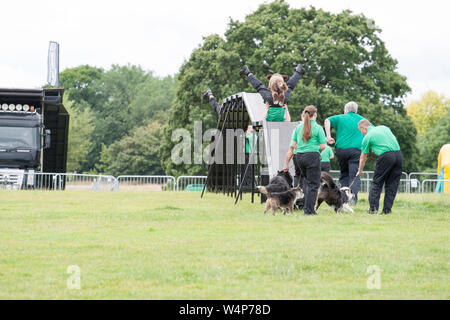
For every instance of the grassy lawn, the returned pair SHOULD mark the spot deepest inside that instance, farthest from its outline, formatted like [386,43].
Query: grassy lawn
[165,245]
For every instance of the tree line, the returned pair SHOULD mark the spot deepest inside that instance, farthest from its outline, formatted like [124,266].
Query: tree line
[116,118]
[122,119]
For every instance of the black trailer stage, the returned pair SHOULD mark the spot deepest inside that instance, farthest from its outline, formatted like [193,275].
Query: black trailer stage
[230,168]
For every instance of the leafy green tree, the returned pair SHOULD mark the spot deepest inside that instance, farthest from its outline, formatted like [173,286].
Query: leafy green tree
[428,110]
[136,153]
[153,99]
[120,99]
[78,84]
[431,143]
[343,56]
[118,87]
[80,134]
[211,66]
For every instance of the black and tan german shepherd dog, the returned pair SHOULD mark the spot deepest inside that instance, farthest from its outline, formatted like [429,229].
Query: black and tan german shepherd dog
[335,197]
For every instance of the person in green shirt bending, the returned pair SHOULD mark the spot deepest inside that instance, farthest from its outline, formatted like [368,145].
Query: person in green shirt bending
[388,169]
[348,144]
[308,139]
[325,156]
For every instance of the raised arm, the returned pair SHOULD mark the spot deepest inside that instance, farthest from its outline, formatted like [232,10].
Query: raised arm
[293,80]
[296,76]
[208,96]
[256,83]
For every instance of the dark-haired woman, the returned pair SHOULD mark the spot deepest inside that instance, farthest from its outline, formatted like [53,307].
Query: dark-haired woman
[276,97]
[308,139]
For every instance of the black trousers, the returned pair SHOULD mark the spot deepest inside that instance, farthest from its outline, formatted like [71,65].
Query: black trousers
[300,202]
[348,165]
[308,164]
[298,172]
[215,106]
[325,166]
[388,172]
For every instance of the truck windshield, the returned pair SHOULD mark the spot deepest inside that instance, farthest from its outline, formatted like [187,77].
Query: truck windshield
[19,137]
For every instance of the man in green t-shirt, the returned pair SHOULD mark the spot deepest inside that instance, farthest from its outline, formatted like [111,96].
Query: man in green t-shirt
[348,144]
[388,169]
[325,156]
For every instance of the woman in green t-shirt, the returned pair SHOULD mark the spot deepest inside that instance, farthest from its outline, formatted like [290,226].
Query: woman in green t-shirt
[308,139]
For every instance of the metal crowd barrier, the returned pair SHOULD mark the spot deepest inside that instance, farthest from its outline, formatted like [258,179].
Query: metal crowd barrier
[41,181]
[190,183]
[416,178]
[76,181]
[366,181]
[146,183]
[415,182]
[429,185]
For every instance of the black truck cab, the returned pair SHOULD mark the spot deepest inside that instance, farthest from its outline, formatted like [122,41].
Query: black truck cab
[34,127]
[20,140]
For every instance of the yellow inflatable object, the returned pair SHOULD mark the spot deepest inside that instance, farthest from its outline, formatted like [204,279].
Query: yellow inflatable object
[444,168]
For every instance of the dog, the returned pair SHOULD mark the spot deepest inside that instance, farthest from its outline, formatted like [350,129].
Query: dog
[281,200]
[279,192]
[280,183]
[338,199]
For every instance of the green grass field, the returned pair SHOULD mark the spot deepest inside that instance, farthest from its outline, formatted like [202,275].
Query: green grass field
[165,245]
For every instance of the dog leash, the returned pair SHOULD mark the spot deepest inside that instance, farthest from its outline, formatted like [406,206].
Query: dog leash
[351,184]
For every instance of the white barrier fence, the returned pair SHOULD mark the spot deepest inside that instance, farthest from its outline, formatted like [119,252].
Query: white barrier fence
[190,183]
[415,182]
[146,183]
[429,185]
[416,179]
[72,181]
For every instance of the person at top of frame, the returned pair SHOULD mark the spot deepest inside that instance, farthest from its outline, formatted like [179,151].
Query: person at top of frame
[276,97]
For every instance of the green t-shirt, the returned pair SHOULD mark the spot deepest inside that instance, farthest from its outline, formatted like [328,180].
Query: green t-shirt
[276,114]
[292,138]
[312,145]
[380,139]
[347,132]
[326,154]
[250,141]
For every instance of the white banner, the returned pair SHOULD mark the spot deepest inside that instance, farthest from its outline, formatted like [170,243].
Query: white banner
[53,64]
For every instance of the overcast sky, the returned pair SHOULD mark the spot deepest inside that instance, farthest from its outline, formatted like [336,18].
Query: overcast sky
[160,35]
